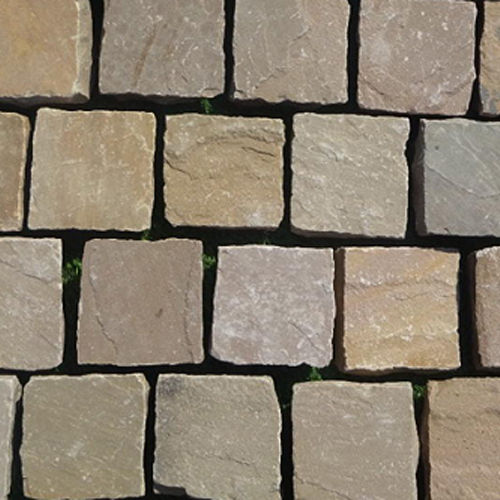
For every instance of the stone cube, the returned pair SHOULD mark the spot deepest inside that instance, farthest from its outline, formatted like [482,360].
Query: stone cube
[489,75]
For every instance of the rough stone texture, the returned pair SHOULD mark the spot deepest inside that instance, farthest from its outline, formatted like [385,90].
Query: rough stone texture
[224,171]
[274,306]
[170,49]
[416,56]
[462,426]
[92,170]
[487,310]
[32,325]
[350,175]
[354,440]
[83,437]
[14,132]
[457,177]
[10,392]
[45,50]
[158,317]
[291,50]
[399,309]
[217,437]
[489,76]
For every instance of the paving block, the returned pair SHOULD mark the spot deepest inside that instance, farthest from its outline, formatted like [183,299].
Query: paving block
[489,74]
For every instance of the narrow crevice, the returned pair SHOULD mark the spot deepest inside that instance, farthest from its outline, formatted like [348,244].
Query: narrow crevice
[411,150]
[27,171]
[209,277]
[158,212]
[229,9]
[418,408]
[287,175]
[353,55]
[97,8]
[150,436]
[474,110]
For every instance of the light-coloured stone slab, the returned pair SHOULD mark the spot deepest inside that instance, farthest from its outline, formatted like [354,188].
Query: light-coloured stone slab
[45,50]
[462,434]
[224,171]
[489,75]
[83,437]
[14,133]
[141,303]
[274,306]
[92,170]
[217,437]
[399,309]
[416,56]
[350,175]
[457,178]
[354,440]
[10,392]
[170,49]
[32,324]
[291,50]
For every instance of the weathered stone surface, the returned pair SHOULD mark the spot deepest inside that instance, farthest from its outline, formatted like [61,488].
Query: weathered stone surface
[170,49]
[457,178]
[462,426]
[399,309]
[416,56]
[32,325]
[487,306]
[92,170]
[217,437]
[45,50]
[489,75]
[274,306]
[291,50]
[354,440]
[158,317]
[83,437]
[10,392]
[14,132]
[350,175]
[224,171]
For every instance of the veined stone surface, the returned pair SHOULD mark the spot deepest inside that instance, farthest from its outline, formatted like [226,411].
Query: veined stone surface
[489,77]
[92,170]
[399,309]
[354,440]
[274,306]
[163,48]
[14,132]
[457,174]
[217,437]
[350,175]
[32,324]
[416,56]
[224,171]
[45,50]
[462,434]
[157,318]
[83,437]
[291,50]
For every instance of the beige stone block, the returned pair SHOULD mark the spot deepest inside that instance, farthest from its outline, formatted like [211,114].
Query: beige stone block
[489,76]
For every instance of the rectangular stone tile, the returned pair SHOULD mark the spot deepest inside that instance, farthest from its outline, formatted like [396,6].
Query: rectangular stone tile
[83,437]
[416,56]
[217,437]
[462,438]
[399,309]
[224,171]
[274,306]
[171,49]
[32,324]
[489,74]
[354,440]
[457,178]
[14,133]
[10,392]
[350,175]
[45,50]
[141,303]
[92,170]
[291,50]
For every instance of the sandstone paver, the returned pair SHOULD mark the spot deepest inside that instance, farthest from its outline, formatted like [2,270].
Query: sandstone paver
[83,437]
[350,175]
[489,75]
[399,309]
[217,437]
[224,171]
[274,306]
[141,302]
[92,170]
